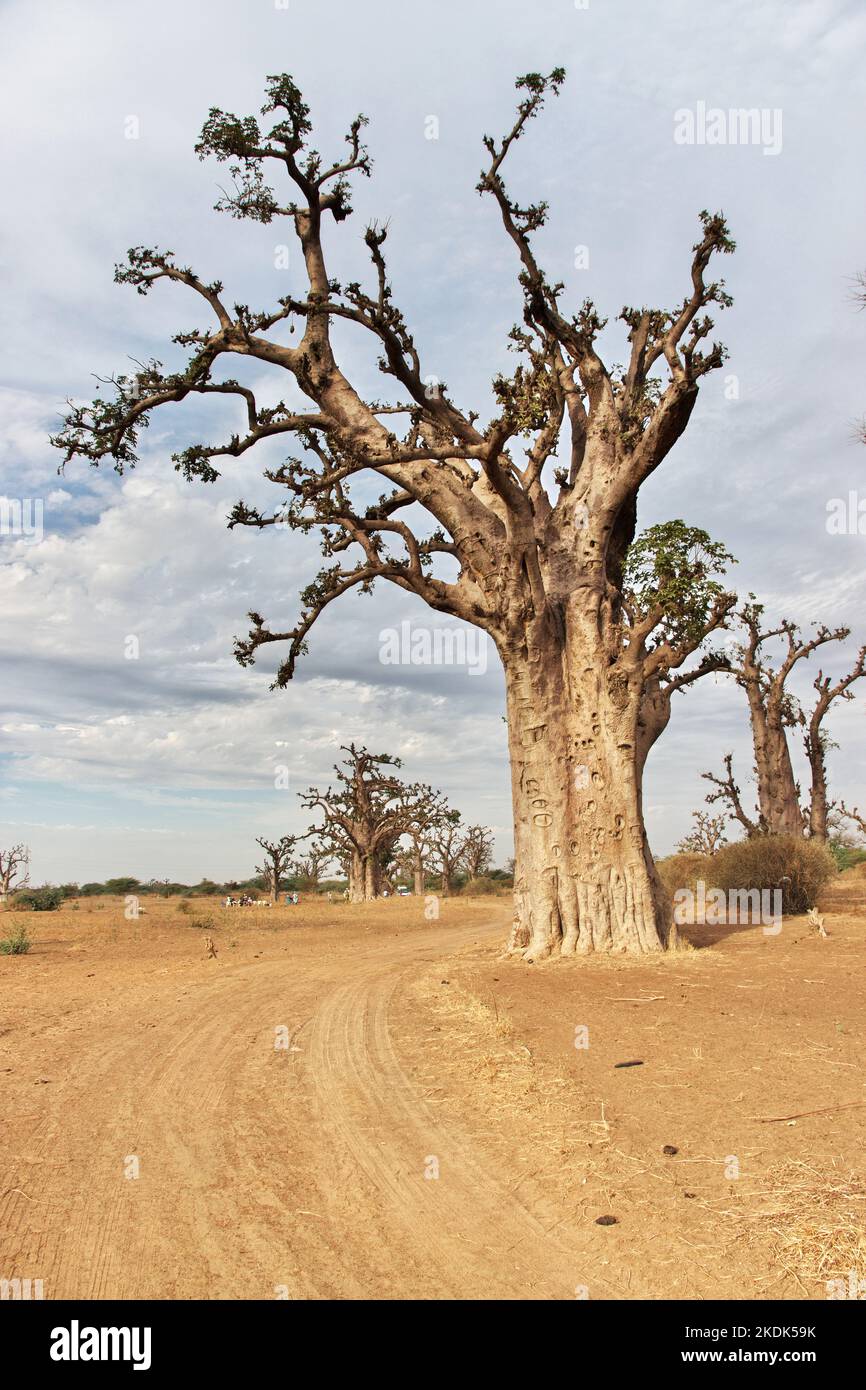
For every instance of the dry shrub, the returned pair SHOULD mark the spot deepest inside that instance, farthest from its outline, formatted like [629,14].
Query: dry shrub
[683,871]
[799,867]
[475,887]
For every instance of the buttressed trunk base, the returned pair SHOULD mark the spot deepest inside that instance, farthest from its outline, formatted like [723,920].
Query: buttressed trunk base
[584,878]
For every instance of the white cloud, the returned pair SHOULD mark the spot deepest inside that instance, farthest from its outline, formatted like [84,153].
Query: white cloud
[183,727]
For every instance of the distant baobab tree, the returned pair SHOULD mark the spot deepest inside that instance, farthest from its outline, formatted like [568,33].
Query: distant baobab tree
[477,850]
[706,836]
[308,867]
[429,812]
[539,537]
[363,816]
[275,868]
[448,846]
[774,711]
[14,869]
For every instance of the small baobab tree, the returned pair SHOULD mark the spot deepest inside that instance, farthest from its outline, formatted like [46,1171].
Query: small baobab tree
[308,867]
[275,868]
[363,816]
[429,812]
[448,845]
[536,509]
[14,869]
[477,850]
[706,836]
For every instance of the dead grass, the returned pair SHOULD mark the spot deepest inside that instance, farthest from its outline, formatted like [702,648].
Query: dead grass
[813,1222]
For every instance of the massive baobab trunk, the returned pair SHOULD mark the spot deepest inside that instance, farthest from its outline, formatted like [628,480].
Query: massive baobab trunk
[584,878]
[372,877]
[357,877]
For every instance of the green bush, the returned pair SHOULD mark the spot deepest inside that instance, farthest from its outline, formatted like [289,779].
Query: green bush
[846,856]
[17,943]
[799,867]
[46,899]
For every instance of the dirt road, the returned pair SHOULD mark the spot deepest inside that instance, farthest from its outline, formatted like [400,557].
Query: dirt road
[280,1149]
[354,1102]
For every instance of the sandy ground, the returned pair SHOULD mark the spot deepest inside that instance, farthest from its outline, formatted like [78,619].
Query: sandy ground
[356,1102]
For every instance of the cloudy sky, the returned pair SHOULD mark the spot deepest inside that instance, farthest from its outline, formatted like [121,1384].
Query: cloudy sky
[165,765]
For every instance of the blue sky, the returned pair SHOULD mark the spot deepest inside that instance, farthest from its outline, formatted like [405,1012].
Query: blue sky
[164,765]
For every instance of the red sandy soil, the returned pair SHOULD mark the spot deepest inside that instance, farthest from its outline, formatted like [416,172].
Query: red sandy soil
[408,1048]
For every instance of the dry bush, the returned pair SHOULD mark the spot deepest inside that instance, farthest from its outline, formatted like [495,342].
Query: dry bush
[475,887]
[799,867]
[683,871]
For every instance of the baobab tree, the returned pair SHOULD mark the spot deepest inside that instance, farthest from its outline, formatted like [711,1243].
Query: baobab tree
[308,867]
[706,836]
[448,846]
[278,855]
[14,869]
[364,816]
[774,711]
[429,813]
[477,850]
[538,537]
[817,742]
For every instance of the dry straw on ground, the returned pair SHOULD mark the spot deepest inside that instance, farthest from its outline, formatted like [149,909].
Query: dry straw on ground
[814,1221]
